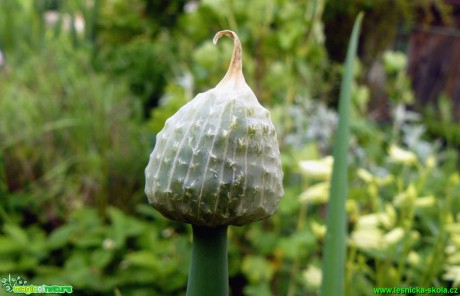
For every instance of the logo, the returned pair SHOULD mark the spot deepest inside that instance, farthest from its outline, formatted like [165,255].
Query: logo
[18,285]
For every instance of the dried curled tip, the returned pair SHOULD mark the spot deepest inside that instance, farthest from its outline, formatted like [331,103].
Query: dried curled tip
[234,78]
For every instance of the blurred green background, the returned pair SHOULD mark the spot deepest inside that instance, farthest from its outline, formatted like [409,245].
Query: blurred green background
[85,86]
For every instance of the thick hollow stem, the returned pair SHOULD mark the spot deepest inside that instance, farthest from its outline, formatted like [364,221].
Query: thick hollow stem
[209,265]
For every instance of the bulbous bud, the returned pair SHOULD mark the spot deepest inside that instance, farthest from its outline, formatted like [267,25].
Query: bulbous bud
[216,161]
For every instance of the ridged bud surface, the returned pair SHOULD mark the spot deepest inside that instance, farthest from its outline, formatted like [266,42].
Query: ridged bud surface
[217,161]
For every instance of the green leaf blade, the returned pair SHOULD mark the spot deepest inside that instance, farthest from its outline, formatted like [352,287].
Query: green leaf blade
[334,249]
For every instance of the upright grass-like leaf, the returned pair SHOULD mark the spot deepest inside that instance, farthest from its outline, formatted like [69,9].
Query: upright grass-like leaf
[334,249]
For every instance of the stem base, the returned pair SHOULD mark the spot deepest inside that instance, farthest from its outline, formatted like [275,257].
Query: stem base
[209,265]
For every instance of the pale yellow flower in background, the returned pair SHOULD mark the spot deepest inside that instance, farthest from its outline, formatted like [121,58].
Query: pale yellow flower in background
[385,180]
[394,236]
[370,220]
[452,274]
[454,178]
[407,197]
[313,276]
[317,169]
[425,202]
[454,258]
[374,220]
[449,219]
[316,194]
[430,162]
[413,258]
[108,244]
[454,228]
[368,239]
[391,213]
[319,230]
[394,61]
[368,177]
[365,175]
[352,207]
[450,249]
[402,156]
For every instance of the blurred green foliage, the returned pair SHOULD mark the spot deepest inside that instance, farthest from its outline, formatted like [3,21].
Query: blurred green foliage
[76,129]
[69,135]
[440,121]
[129,253]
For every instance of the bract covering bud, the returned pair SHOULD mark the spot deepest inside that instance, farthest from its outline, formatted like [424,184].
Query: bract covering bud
[216,161]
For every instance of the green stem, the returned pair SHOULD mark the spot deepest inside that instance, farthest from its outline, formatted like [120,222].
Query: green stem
[209,265]
[295,265]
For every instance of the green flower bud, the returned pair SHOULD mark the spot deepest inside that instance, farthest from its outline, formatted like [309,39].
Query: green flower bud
[216,161]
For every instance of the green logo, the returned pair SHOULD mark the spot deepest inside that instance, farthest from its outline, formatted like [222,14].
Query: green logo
[18,285]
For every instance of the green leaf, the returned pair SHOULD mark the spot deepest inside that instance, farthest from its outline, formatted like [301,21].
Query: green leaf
[144,259]
[17,233]
[26,263]
[8,245]
[334,249]
[89,240]
[257,269]
[100,258]
[296,244]
[61,236]
[8,265]
[119,227]
[264,241]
